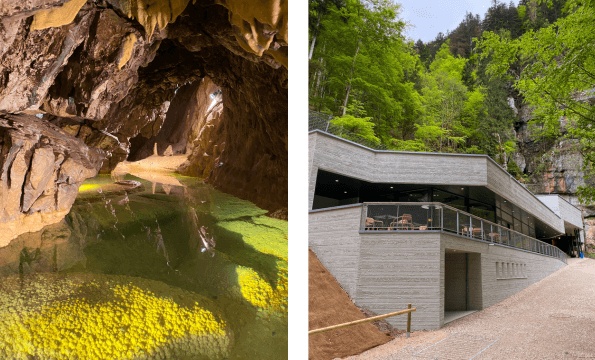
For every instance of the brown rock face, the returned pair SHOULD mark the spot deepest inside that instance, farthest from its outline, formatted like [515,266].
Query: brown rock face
[41,168]
[115,73]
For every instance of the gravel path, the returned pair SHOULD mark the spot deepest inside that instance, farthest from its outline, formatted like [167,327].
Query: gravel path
[551,319]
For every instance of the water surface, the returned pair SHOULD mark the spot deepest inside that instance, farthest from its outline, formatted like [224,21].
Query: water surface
[176,270]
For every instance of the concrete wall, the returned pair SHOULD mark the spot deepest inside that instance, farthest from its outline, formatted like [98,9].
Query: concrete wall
[383,272]
[503,184]
[522,268]
[334,237]
[568,212]
[312,170]
[340,156]
[397,269]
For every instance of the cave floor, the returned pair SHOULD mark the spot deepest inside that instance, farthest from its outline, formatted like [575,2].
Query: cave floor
[170,230]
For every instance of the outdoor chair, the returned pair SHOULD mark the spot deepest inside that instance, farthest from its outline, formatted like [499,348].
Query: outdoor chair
[402,222]
[495,237]
[475,232]
[371,224]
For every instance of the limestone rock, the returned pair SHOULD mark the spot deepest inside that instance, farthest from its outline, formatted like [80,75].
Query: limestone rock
[168,151]
[36,160]
[42,169]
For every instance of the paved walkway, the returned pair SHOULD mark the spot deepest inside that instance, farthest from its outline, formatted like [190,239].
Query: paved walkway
[551,319]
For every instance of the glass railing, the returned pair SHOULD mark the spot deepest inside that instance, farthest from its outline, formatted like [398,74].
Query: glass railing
[439,217]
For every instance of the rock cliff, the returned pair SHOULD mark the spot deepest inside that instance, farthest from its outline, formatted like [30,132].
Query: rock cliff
[552,166]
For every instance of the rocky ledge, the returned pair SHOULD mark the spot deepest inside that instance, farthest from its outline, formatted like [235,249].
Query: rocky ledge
[41,169]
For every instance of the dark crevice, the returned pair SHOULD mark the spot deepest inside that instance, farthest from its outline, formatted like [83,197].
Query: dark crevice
[29,162]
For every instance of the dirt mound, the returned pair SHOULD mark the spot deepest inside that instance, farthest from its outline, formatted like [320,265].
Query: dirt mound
[330,305]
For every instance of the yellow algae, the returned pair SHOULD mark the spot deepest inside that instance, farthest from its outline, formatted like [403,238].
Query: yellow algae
[260,294]
[63,15]
[88,187]
[127,46]
[104,317]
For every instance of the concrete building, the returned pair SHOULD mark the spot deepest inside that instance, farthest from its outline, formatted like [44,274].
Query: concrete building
[449,233]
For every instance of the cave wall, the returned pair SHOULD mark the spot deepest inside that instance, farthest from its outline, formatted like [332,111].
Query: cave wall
[108,71]
[41,169]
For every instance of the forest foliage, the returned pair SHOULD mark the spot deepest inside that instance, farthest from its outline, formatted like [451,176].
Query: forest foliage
[452,94]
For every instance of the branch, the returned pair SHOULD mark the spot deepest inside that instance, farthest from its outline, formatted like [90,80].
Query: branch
[562,104]
[588,73]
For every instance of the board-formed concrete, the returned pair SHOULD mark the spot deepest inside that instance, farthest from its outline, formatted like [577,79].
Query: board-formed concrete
[383,272]
[336,155]
[564,209]
[335,239]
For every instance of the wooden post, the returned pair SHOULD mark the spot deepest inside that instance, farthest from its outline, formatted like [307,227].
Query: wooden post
[409,321]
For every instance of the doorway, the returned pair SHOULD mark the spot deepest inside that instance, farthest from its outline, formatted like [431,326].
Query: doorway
[462,284]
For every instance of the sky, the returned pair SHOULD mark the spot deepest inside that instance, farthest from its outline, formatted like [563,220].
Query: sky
[431,17]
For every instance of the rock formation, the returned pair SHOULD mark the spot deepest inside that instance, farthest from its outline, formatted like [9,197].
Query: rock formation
[41,169]
[553,166]
[124,75]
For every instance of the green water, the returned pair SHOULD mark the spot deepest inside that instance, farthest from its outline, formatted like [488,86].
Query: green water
[148,239]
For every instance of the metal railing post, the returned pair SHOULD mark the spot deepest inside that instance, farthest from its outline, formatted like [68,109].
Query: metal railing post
[458,223]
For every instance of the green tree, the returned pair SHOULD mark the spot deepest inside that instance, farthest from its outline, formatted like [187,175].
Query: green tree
[558,75]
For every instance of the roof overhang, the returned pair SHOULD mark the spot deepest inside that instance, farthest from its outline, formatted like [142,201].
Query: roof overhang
[334,154]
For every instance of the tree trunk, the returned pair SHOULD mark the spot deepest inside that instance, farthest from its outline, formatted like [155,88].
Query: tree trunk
[348,87]
[312,47]
[315,34]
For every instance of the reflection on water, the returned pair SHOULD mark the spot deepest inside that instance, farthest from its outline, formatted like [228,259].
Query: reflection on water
[148,271]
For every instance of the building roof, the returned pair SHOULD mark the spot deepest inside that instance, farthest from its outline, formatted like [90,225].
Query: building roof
[334,154]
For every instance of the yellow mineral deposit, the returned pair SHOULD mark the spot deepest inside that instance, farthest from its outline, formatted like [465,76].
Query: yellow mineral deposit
[156,12]
[255,24]
[44,19]
[127,46]
[254,21]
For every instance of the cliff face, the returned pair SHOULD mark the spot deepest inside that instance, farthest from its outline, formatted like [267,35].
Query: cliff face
[553,166]
[116,72]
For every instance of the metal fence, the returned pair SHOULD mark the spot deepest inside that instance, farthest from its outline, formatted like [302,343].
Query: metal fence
[439,217]
[321,121]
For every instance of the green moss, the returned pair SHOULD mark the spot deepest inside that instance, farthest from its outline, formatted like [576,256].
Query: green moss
[274,223]
[106,317]
[264,238]
[226,207]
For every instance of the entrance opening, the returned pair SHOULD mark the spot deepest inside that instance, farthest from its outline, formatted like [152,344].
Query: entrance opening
[462,284]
